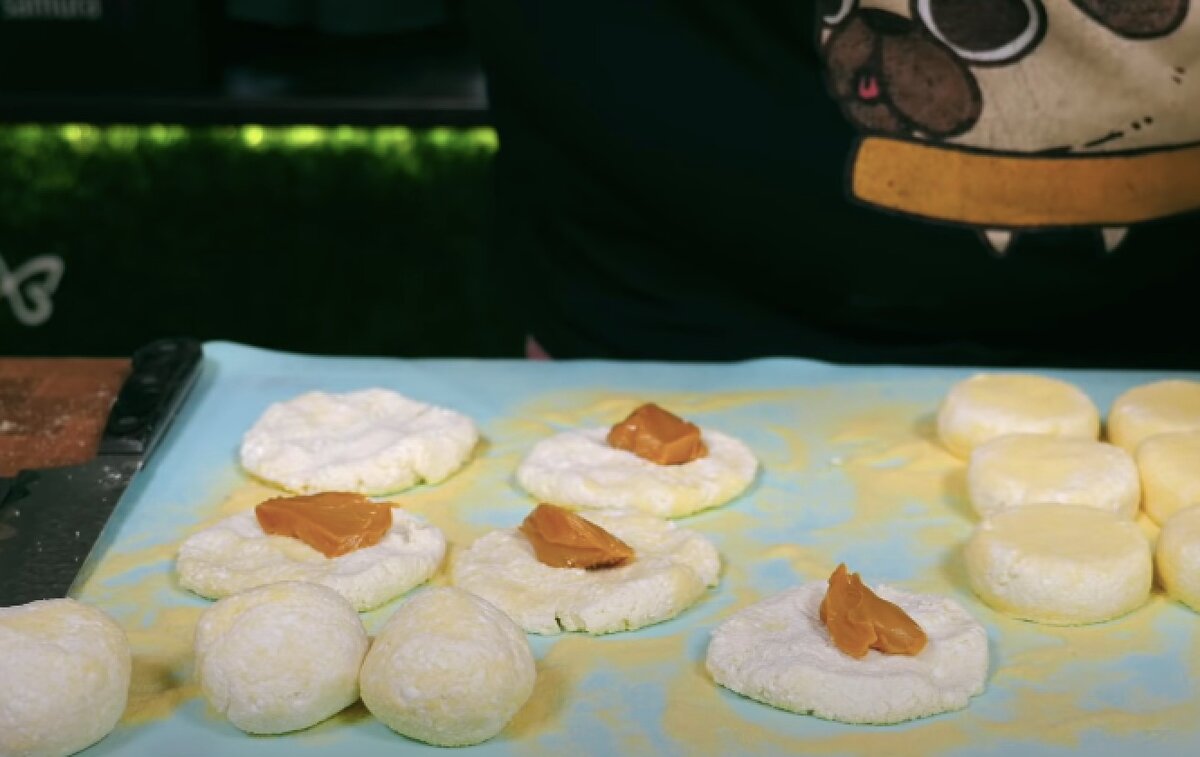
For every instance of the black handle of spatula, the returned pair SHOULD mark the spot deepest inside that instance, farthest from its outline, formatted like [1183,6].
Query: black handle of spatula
[162,372]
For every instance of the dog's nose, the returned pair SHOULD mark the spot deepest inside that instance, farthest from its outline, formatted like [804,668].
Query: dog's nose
[882,22]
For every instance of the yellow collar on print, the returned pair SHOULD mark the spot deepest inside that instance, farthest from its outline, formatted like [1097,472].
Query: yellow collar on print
[993,190]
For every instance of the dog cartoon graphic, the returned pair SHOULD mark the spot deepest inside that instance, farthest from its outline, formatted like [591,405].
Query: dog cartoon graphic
[1010,116]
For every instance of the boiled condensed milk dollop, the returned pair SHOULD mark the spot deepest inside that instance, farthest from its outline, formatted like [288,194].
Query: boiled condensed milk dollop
[658,436]
[333,523]
[858,620]
[562,539]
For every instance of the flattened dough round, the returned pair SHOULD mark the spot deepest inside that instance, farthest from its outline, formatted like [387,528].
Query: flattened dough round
[448,669]
[1060,564]
[235,554]
[671,569]
[65,670]
[1028,469]
[1170,467]
[989,405]
[1158,408]
[281,657]
[779,652]
[1178,556]
[372,441]
[580,469]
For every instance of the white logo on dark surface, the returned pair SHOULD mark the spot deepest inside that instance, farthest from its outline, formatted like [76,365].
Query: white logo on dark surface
[28,289]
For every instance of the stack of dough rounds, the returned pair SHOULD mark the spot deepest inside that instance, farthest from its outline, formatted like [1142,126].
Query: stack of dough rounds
[372,442]
[580,469]
[1060,564]
[1178,556]
[670,570]
[989,405]
[281,657]
[779,652]
[236,554]
[1159,408]
[1027,469]
[64,677]
[1170,467]
[447,669]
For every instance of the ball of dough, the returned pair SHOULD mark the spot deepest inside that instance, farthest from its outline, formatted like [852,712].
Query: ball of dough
[64,669]
[281,657]
[372,441]
[1028,469]
[989,405]
[1158,408]
[1178,556]
[671,569]
[236,554]
[1060,564]
[779,652]
[1170,467]
[448,669]
[580,469]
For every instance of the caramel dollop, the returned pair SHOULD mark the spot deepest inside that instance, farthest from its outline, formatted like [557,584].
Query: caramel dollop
[333,523]
[658,436]
[562,539]
[858,620]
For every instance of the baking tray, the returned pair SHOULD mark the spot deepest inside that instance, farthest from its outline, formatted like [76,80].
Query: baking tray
[851,473]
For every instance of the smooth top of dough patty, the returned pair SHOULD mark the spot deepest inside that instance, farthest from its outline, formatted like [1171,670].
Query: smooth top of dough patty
[1028,469]
[989,405]
[1157,408]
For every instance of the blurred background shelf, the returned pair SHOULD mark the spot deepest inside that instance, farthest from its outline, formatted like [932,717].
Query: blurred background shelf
[239,61]
[303,175]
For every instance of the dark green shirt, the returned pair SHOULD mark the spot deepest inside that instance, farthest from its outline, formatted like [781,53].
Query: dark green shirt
[674,182]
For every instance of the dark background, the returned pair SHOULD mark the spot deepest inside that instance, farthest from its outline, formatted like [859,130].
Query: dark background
[294,174]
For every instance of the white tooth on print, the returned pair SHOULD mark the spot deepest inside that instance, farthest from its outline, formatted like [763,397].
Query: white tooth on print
[999,240]
[29,288]
[1114,236]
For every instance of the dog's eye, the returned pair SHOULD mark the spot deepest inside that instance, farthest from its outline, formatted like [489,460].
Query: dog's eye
[985,31]
[834,12]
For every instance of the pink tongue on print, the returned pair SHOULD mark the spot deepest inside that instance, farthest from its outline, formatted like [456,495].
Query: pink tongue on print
[868,87]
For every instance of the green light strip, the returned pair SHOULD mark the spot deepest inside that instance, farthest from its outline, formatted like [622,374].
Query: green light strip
[84,137]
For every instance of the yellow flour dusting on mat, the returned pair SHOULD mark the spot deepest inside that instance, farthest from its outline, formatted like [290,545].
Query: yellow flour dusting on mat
[887,458]
[570,661]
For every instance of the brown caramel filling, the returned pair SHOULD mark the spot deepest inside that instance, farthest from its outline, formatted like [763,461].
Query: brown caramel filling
[333,523]
[562,539]
[858,620]
[658,436]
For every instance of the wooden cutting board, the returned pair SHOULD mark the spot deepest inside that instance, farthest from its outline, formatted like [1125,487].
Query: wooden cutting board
[52,410]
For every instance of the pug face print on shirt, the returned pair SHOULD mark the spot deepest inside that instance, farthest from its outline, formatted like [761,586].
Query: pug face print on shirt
[1010,116]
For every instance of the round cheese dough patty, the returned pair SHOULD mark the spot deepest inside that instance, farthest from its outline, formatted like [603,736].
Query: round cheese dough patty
[1170,467]
[1060,564]
[1028,469]
[670,570]
[372,442]
[989,405]
[65,670]
[1178,556]
[236,554]
[581,469]
[1158,408]
[280,657]
[779,652]
[448,669]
